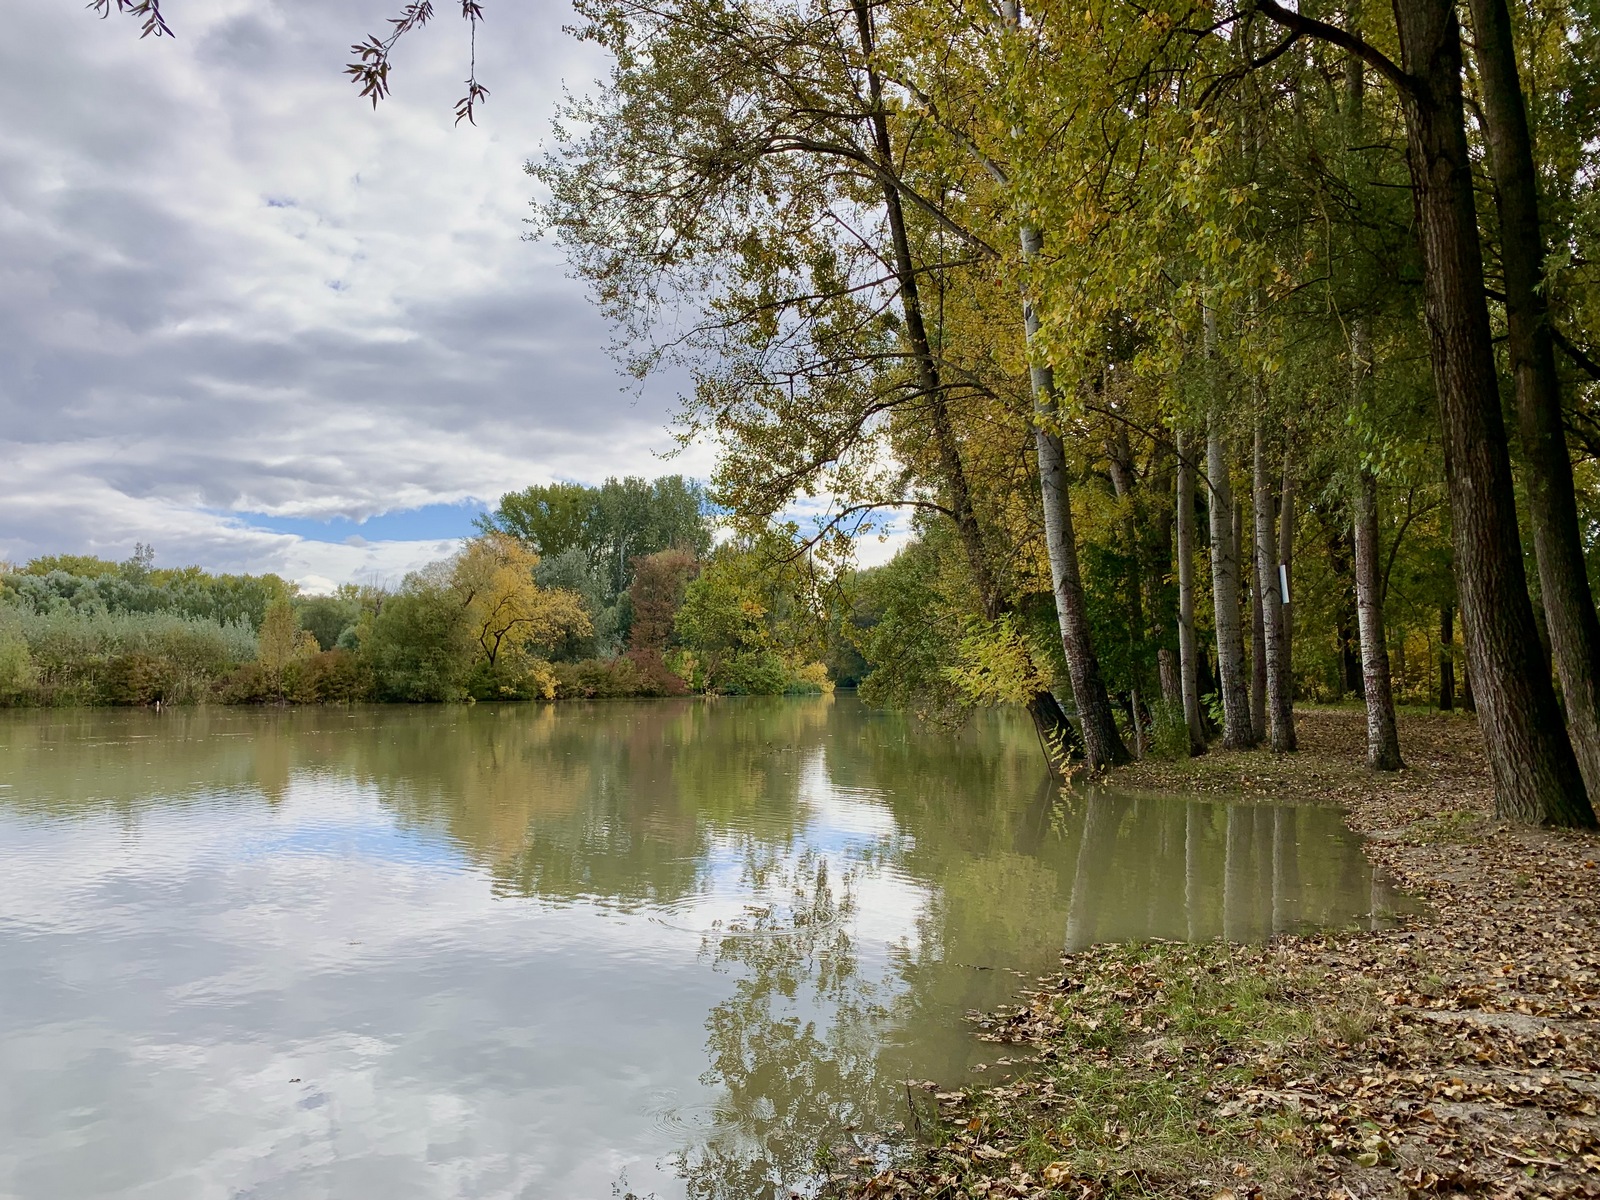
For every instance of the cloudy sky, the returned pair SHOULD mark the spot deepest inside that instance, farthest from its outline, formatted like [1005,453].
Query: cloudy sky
[250,321]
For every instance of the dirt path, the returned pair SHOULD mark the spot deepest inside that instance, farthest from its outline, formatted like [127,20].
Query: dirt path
[1458,1054]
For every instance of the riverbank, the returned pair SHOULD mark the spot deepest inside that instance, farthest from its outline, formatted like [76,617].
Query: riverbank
[1457,1053]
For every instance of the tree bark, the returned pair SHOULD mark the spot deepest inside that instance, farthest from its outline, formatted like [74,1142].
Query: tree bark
[1102,744]
[1269,599]
[1536,774]
[1286,532]
[1383,736]
[1188,647]
[1161,493]
[1569,610]
[1119,457]
[1236,731]
[1535,770]
[1249,572]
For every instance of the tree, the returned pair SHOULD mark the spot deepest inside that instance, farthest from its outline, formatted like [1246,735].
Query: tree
[1188,647]
[748,157]
[1569,608]
[657,593]
[1273,647]
[419,644]
[1530,754]
[507,613]
[281,643]
[613,525]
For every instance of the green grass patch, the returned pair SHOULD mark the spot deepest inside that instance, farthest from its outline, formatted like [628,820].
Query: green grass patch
[1159,1064]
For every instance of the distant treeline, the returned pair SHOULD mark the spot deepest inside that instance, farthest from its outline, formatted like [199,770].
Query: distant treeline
[566,591]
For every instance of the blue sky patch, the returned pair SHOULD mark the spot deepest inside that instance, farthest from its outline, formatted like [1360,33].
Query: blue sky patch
[431,522]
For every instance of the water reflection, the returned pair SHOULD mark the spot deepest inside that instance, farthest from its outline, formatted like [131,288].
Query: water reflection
[519,951]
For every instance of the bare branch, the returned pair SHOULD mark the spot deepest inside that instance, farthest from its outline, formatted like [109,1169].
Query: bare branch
[370,70]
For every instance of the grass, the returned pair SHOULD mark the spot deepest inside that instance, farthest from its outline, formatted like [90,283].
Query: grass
[1133,1055]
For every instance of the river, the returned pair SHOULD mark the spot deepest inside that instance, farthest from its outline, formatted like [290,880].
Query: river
[663,948]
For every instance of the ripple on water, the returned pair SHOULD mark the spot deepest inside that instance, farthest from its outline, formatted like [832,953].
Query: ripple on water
[672,1118]
[739,914]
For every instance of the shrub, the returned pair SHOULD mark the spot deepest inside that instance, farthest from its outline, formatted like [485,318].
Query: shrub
[331,677]
[656,678]
[749,673]
[136,678]
[1169,732]
[246,685]
[512,677]
[96,657]
[809,680]
[17,674]
[596,678]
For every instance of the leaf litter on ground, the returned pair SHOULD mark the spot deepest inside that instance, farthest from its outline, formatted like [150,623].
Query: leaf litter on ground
[1455,1053]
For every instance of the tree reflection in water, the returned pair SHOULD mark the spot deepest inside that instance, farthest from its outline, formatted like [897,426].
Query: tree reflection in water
[793,1051]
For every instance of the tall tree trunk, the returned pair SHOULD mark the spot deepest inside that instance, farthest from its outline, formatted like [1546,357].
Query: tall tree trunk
[1188,646]
[1236,731]
[1286,532]
[1249,570]
[1161,493]
[1447,658]
[1269,599]
[1535,770]
[1383,737]
[1574,628]
[1056,735]
[1119,457]
[1102,744]
[1124,479]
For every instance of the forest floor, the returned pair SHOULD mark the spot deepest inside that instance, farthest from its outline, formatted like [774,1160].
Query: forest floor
[1457,1053]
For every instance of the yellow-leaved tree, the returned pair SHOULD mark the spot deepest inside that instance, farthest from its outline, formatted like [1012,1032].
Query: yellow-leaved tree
[280,642]
[509,615]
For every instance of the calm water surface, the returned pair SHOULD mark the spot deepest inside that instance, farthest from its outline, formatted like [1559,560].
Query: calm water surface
[665,947]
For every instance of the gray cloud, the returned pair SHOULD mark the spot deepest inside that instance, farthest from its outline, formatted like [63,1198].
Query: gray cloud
[231,286]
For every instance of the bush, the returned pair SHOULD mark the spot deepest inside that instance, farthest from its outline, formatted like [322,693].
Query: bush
[639,673]
[136,678]
[749,673]
[330,677]
[246,685]
[17,674]
[512,678]
[656,678]
[809,680]
[96,657]
[1169,732]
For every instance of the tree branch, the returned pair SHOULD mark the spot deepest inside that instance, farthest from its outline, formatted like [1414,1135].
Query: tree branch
[1345,40]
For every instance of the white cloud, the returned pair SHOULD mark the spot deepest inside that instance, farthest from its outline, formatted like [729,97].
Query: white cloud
[226,284]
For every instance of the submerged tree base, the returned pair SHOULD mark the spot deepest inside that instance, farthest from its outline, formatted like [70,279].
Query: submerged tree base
[1457,1053]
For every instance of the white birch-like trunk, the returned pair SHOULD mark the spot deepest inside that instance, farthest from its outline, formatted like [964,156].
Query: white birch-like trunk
[1236,729]
[1269,599]
[1188,647]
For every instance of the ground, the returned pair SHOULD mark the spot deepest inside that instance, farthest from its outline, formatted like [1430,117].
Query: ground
[1455,1054]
